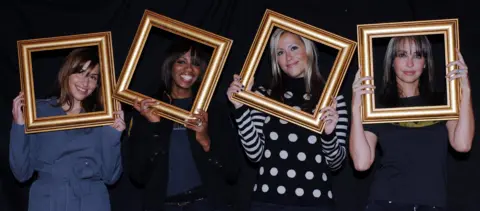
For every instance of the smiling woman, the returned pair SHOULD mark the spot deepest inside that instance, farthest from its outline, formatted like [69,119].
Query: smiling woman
[182,166]
[72,165]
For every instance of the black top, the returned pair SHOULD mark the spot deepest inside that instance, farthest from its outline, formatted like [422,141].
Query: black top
[294,163]
[148,149]
[412,166]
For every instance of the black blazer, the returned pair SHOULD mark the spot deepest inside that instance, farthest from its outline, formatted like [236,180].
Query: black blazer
[148,148]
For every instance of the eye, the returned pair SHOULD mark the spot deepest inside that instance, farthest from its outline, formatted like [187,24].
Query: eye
[401,54]
[94,77]
[181,61]
[418,55]
[293,48]
[279,53]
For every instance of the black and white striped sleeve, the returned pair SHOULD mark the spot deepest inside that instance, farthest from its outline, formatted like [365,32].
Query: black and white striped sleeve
[333,146]
[250,128]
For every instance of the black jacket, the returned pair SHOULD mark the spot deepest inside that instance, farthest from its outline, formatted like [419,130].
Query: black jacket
[148,146]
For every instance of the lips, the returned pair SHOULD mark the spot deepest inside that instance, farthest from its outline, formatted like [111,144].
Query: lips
[409,73]
[292,64]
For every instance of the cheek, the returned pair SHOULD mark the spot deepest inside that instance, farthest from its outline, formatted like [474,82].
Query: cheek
[281,61]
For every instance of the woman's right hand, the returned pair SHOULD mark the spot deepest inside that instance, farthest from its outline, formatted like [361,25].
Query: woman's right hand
[17,109]
[235,87]
[359,89]
[144,107]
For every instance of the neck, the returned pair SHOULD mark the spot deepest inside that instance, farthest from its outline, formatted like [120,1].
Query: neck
[75,108]
[408,89]
[180,93]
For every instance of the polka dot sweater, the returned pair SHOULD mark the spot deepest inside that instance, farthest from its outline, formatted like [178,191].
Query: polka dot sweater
[294,163]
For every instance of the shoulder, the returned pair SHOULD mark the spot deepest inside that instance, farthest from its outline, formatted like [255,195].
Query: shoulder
[45,104]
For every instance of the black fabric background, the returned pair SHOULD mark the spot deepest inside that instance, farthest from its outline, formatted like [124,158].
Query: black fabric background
[237,20]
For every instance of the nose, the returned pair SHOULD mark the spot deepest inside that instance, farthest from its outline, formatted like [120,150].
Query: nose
[289,56]
[410,62]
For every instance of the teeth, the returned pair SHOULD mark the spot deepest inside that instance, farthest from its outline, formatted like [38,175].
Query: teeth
[187,77]
[81,89]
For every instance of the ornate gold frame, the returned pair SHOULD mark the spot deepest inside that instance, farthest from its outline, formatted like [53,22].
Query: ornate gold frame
[221,47]
[46,124]
[273,19]
[366,32]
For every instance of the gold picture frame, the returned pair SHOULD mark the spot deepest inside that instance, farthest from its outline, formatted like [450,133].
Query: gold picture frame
[346,50]
[221,46]
[367,32]
[54,123]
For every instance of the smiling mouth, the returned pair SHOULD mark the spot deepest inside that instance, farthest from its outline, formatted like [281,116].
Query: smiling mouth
[186,78]
[292,64]
[409,72]
[81,90]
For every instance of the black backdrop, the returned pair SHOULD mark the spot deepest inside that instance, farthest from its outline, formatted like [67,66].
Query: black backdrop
[237,20]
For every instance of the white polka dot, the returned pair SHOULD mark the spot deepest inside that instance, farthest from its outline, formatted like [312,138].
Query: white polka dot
[265,188]
[268,153]
[255,187]
[291,173]
[292,137]
[317,193]
[261,170]
[330,195]
[273,136]
[301,156]
[284,154]
[299,192]
[288,94]
[267,119]
[274,171]
[318,158]
[283,121]
[297,108]
[281,189]
[324,177]
[306,96]
[309,175]
[312,139]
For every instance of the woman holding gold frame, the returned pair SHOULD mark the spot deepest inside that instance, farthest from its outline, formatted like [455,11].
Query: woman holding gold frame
[294,163]
[413,163]
[187,166]
[72,166]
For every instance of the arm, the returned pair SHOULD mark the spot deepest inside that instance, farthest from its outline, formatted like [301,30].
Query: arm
[111,154]
[250,129]
[461,131]
[140,149]
[333,145]
[362,143]
[19,153]
[223,153]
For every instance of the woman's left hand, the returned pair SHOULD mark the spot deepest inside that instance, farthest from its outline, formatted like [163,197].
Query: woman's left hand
[461,72]
[199,124]
[330,116]
[119,123]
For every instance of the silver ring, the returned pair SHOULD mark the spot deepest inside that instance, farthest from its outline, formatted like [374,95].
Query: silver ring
[199,122]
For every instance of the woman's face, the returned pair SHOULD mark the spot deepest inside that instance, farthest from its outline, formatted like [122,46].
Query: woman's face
[82,84]
[408,63]
[292,55]
[185,71]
